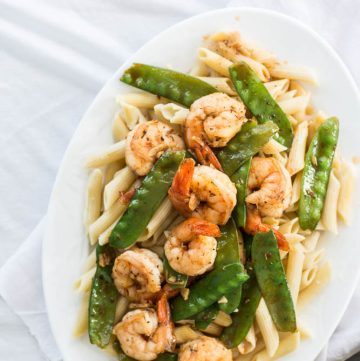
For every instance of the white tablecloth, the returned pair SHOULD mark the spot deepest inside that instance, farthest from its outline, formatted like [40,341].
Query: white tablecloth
[54,57]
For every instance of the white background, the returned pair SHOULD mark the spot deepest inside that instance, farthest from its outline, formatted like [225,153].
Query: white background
[55,56]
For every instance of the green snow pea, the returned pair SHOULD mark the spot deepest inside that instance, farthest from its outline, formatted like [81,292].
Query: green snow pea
[179,87]
[259,101]
[173,278]
[240,179]
[204,318]
[228,251]
[316,173]
[272,282]
[208,290]
[146,200]
[103,298]
[242,320]
[249,141]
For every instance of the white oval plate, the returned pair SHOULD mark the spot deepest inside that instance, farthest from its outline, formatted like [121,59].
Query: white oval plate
[65,246]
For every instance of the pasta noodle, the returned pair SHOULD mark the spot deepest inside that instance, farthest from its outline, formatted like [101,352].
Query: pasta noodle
[221,84]
[104,236]
[111,169]
[223,319]
[329,214]
[90,261]
[131,115]
[105,220]
[83,284]
[311,241]
[321,279]
[172,113]
[120,183]
[308,277]
[347,178]
[296,159]
[293,72]
[277,87]
[161,214]
[199,69]
[294,105]
[140,100]
[214,61]
[81,324]
[273,147]
[121,308]
[287,345]
[110,154]
[119,128]
[294,269]
[213,329]
[267,328]
[185,333]
[313,258]
[249,343]
[93,197]
[295,193]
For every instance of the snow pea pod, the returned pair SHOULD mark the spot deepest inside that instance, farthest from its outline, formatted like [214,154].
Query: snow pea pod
[272,282]
[259,101]
[204,318]
[316,173]
[103,298]
[249,141]
[146,200]
[208,290]
[173,278]
[179,87]
[240,179]
[242,320]
[228,251]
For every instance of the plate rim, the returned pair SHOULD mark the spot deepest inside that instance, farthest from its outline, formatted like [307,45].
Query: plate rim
[50,209]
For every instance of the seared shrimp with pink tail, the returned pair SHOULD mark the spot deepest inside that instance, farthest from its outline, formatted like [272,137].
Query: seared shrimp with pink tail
[212,121]
[202,192]
[191,246]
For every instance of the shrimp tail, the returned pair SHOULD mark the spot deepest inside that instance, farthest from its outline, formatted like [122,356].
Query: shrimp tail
[206,156]
[179,191]
[254,224]
[202,227]
[164,317]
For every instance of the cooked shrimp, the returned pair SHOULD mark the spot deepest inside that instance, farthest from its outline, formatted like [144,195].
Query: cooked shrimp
[146,143]
[143,335]
[212,121]
[202,192]
[204,349]
[138,274]
[272,197]
[269,186]
[191,247]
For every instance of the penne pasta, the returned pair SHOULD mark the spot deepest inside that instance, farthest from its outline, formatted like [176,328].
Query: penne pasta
[120,183]
[308,277]
[273,147]
[267,328]
[104,236]
[294,269]
[161,214]
[121,308]
[347,178]
[105,220]
[293,72]
[322,277]
[111,169]
[214,61]
[83,284]
[313,258]
[81,325]
[93,197]
[108,155]
[329,213]
[277,87]
[249,343]
[172,113]
[291,226]
[213,329]
[223,319]
[199,70]
[119,128]
[287,95]
[296,187]
[185,334]
[90,261]
[296,159]
[295,105]
[140,100]
[223,85]
[131,115]
[288,344]
[310,242]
